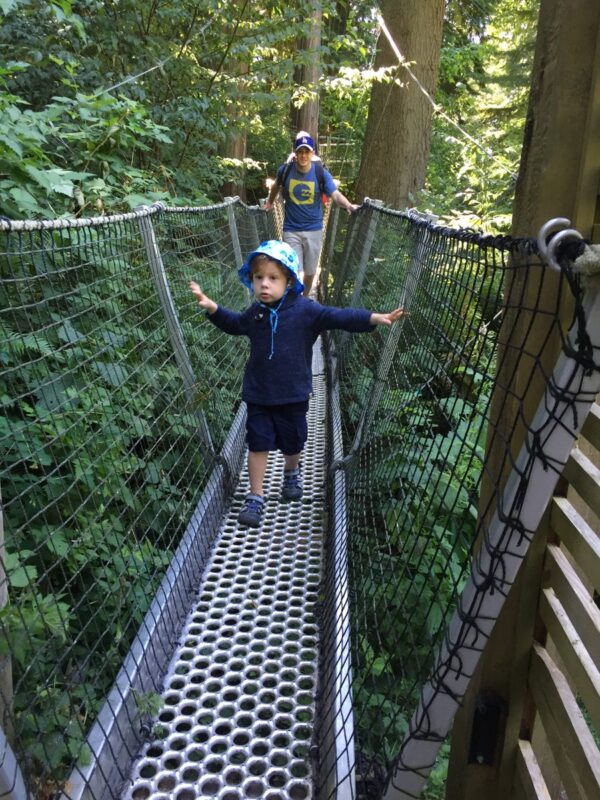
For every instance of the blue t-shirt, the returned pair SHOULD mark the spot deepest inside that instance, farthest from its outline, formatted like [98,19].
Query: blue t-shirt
[302,196]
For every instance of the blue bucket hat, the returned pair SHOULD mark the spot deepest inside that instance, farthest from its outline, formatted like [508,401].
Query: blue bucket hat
[279,251]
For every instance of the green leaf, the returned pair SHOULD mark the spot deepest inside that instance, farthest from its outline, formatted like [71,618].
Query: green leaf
[19,575]
[57,180]
[378,666]
[6,6]
[23,576]
[152,472]
[26,201]
[57,543]
[114,374]
[67,333]
[14,144]
[53,392]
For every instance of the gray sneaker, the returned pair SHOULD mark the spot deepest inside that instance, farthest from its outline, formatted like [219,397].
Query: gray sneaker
[292,484]
[252,511]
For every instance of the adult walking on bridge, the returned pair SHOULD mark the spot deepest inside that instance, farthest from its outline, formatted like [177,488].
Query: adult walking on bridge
[304,182]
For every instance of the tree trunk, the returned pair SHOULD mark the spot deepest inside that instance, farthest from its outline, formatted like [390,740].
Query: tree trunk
[339,22]
[234,145]
[558,178]
[307,75]
[398,134]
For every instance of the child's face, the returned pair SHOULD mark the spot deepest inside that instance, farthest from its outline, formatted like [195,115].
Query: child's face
[269,280]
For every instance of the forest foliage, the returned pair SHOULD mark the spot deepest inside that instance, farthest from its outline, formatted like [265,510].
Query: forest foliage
[105,104]
[109,104]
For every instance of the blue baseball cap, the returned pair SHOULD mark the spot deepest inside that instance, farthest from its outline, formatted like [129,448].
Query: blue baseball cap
[304,140]
[279,251]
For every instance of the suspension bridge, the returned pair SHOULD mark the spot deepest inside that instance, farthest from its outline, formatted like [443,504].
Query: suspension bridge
[151,648]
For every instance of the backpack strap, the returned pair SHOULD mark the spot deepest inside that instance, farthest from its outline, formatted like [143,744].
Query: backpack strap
[287,168]
[320,170]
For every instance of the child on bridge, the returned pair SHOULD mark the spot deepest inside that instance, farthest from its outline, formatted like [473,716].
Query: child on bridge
[282,326]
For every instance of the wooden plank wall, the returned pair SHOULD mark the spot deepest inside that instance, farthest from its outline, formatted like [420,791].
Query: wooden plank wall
[558,755]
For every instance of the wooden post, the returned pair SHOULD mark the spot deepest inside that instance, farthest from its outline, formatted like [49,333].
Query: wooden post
[559,177]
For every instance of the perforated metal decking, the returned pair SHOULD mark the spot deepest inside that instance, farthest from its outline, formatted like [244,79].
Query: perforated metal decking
[239,698]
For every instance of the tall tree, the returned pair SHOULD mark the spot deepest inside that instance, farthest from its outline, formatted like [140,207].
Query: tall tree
[177,63]
[483,85]
[396,146]
[233,148]
[305,109]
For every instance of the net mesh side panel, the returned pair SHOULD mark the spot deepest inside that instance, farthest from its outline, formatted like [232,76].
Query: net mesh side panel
[102,459]
[414,414]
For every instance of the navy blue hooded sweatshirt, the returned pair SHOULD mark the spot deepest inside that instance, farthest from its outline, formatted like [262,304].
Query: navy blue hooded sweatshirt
[286,377]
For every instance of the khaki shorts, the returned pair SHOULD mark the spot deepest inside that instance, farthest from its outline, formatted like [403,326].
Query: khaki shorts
[307,245]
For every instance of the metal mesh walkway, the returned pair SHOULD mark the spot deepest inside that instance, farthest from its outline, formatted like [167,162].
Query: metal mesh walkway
[239,697]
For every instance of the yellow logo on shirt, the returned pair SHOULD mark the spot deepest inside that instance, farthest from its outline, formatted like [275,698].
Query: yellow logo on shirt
[302,193]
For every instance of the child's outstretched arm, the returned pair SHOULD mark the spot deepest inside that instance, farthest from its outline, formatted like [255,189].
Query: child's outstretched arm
[202,299]
[388,319]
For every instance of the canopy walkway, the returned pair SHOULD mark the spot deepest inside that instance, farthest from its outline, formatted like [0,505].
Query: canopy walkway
[150,647]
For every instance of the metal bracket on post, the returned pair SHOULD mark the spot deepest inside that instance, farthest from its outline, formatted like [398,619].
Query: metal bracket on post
[175,333]
[233,231]
[341,464]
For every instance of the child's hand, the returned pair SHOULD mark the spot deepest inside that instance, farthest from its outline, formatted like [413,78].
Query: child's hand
[202,299]
[388,319]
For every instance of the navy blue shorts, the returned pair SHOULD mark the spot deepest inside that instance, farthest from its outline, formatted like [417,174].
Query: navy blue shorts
[277,428]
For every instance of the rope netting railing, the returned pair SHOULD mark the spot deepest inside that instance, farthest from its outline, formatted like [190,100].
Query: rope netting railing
[409,448]
[122,439]
[115,413]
